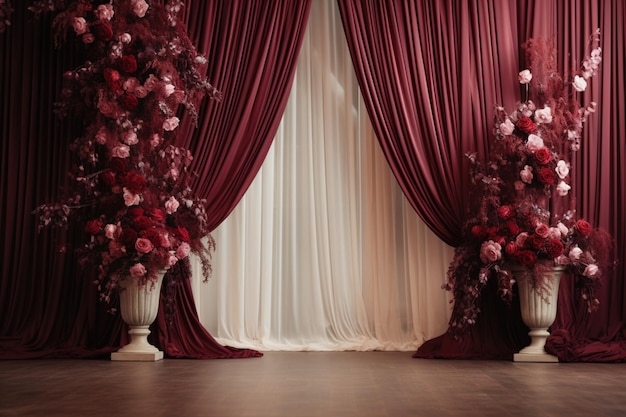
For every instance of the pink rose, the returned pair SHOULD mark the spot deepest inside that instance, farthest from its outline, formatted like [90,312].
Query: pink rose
[151,82]
[591,270]
[104,12]
[80,25]
[490,251]
[125,38]
[88,38]
[534,143]
[183,250]
[110,230]
[130,198]
[170,123]
[526,174]
[138,270]
[129,137]
[171,205]
[143,245]
[574,253]
[507,127]
[140,7]
[542,230]
[120,151]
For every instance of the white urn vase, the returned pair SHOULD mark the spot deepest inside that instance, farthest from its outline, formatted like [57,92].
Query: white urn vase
[538,310]
[139,305]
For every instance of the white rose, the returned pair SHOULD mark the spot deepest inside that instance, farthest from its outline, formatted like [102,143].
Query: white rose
[574,253]
[507,127]
[563,188]
[591,270]
[526,174]
[169,89]
[543,115]
[125,38]
[563,229]
[580,84]
[525,76]
[109,231]
[534,143]
[171,205]
[130,198]
[562,169]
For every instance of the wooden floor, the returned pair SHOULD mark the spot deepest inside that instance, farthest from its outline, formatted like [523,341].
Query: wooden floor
[341,384]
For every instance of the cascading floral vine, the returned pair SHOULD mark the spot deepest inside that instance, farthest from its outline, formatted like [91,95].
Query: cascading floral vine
[130,184]
[521,186]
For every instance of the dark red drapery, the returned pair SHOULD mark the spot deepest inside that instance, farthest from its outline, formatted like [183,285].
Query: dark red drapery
[48,306]
[431,73]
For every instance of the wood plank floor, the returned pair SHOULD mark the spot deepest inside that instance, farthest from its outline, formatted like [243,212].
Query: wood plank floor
[294,384]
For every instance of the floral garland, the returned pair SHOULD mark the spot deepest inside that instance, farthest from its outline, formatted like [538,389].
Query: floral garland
[131,184]
[522,186]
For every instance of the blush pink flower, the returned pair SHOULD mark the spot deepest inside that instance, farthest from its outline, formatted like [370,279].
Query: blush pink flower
[138,270]
[490,251]
[143,245]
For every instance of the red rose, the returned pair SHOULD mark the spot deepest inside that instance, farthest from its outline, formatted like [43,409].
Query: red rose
[182,234]
[478,231]
[155,214]
[128,236]
[93,227]
[583,227]
[135,211]
[154,236]
[504,212]
[554,248]
[103,31]
[510,248]
[111,75]
[535,242]
[526,125]
[129,102]
[134,182]
[142,222]
[545,176]
[128,64]
[108,177]
[543,155]
[119,165]
[526,257]
[514,229]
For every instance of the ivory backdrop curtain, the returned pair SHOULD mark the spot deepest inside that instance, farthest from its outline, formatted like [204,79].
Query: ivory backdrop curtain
[324,252]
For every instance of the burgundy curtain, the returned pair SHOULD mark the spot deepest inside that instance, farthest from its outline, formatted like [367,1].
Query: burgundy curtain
[431,73]
[48,305]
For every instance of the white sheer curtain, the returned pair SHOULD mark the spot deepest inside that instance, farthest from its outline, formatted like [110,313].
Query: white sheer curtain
[324,252]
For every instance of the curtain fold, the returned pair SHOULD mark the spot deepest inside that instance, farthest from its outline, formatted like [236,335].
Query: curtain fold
[329,254]
[428,108]
[48,303]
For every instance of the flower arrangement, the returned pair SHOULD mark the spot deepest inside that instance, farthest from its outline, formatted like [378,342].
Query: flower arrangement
[524,216]
[129,182]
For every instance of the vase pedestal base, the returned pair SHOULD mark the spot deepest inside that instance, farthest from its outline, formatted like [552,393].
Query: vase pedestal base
[137,356]
[535,357]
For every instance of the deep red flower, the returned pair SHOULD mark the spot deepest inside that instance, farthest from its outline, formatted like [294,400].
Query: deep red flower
[583,227]
[93,227]
[135,182]
[135,211]
[128,64]
[543,155]
[513,228]
[155,214]
[142,223]
[526,125]
[478,231]
[505,212]
[554,248]
[129,102]
[510,248]
[153,235]
[535,242]
[111,74]
[108,177]
[182,234]
[526,257]
[128,236]
[119,165]
[546,176]
[102,31]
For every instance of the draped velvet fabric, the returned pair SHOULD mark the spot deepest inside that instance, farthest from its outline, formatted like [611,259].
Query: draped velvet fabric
[48,305]
[431,73]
